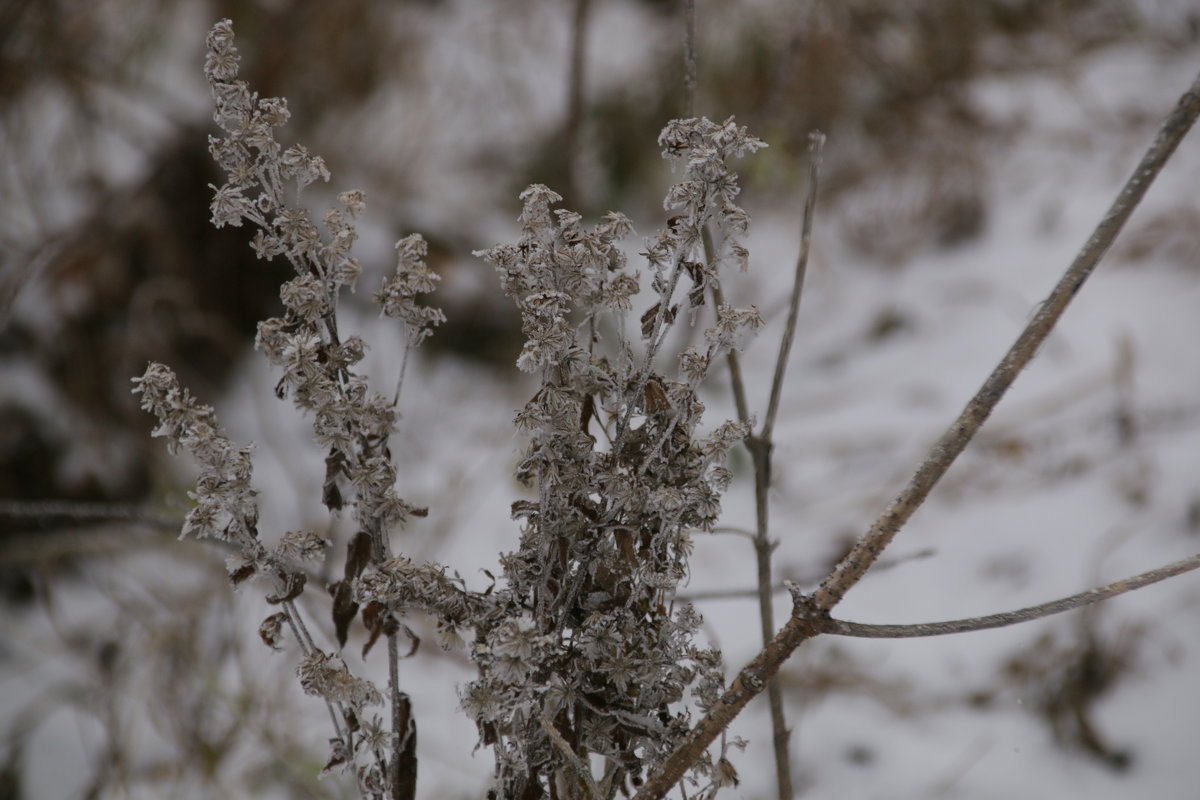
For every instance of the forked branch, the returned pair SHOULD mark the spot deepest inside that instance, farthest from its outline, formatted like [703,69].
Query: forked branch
[855,564]
[754,676]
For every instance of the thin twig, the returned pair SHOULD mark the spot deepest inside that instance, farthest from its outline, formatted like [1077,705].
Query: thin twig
[300,631]
[816,140]
[575,81]
[782,586]
[799,628]
[736,382]
[689,59]
[863,631]
[403,368]
[760,447]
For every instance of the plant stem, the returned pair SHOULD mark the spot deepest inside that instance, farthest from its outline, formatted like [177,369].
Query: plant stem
[575,80]
[403,764]
[689,59]
[816,141]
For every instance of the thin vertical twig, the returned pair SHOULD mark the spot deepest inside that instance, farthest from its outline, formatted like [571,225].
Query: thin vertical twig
[575,82]
[689,59]
[403,368]
[761,448]
[800,627]
[816,140]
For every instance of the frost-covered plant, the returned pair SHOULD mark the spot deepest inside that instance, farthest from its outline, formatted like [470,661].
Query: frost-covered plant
[588,655]
[581,649]
[350,422]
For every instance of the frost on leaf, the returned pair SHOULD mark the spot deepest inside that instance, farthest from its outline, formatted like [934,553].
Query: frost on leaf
[326,676]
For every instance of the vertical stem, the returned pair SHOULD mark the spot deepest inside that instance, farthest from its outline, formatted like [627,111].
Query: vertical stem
[574,99]
[761,447]
[760,452]
[689,59]
[403,765]
[760,455]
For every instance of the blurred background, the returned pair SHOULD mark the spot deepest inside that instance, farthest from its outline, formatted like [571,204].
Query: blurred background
[971,147]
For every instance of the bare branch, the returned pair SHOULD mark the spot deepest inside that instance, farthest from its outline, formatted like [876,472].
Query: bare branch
[754,676]
[859,630]
[860,558]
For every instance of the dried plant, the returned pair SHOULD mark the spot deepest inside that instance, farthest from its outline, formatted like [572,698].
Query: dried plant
[350,422]
[587,665]
[581,651]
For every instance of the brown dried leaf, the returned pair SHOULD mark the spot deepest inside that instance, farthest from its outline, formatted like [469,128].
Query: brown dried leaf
[379,620]
[241,573]
[624,538]
[586,413]
[337,755]
[331,495]
[358,555]
[344,609]
[271,630]
[523,508]
[412,637]
[293,585]
[648,319]
[656,396]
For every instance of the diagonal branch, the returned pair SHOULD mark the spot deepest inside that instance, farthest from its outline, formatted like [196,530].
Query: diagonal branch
[754,676]
[860,558]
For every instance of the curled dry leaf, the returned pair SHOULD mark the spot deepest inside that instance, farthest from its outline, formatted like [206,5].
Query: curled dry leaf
[344,609]
[293,586]
[271,630]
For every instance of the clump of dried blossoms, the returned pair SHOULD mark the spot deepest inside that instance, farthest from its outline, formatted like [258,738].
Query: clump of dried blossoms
[350,422]
[589,653]
[581,649]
